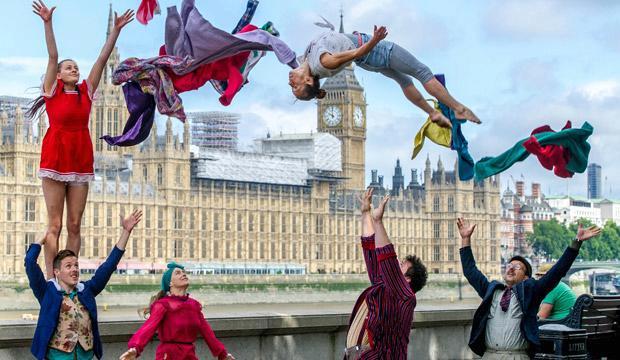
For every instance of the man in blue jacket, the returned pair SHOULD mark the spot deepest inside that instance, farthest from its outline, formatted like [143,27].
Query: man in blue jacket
[67,326]
[504,325]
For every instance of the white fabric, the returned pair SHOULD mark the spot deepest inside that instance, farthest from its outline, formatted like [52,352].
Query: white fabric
[68,177]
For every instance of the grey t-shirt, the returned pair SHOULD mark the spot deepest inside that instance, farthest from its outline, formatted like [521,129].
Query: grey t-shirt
[330,42]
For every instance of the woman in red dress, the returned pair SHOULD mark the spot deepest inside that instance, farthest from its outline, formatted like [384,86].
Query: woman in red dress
[67,152]
[178,321]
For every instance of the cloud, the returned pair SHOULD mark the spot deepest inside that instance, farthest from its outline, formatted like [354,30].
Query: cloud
[533,76]
[525,19]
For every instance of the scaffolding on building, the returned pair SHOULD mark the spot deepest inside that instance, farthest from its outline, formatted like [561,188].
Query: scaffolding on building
[214,129]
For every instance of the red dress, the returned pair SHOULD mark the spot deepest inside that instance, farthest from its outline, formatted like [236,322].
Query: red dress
[67,151]
[178,321]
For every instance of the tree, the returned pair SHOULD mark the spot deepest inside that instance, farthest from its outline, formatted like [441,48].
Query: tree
[549,238]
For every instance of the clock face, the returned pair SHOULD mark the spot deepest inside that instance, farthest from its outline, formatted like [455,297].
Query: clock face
[358,116]
[332,116]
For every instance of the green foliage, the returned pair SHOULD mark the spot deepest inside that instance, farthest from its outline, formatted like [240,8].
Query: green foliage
[550,238]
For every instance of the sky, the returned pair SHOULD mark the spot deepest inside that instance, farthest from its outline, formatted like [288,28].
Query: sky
[518,64]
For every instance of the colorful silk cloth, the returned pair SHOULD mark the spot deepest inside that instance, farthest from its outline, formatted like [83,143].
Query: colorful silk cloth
[146,10]
[152,76]
[141,108]
[452,138]
[573,143]
[551,157]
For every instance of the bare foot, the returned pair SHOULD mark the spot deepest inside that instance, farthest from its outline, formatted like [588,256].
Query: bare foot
[467,114]
[438,118]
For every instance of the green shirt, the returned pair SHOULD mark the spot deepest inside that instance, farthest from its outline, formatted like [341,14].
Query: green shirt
[562,298]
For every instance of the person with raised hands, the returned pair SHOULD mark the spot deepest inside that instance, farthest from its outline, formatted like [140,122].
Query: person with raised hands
[66,166]
[381,319]
[505,324]
[67,327]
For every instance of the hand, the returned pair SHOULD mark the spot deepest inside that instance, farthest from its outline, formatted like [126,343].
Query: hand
[377,214]
[43,11]
[130,354]
[585,234]
[379,33]
[120,21]
[132,220]
[229,357]
[465,229]
[365,200]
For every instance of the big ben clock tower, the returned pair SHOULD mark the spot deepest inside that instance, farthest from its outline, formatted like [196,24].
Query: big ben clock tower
[342,113]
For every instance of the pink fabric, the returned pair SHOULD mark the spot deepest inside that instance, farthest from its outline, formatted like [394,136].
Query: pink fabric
[146,10]
[227,69]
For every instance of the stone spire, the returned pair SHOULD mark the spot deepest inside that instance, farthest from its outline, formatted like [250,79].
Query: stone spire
[110,22]
[169,138]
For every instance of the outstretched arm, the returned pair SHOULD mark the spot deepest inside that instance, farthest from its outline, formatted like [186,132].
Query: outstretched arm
[98,282]
[334,61]
[389,268]
[551,279]
[215,346]
[97,70]
[36,278]
[145,333]
[368,237]
[475,278]
[41,10]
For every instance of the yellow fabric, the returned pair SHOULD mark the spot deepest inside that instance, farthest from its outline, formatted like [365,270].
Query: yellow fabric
[357,326]
[432,131]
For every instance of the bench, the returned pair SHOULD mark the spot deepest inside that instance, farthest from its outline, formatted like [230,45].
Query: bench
[599,316]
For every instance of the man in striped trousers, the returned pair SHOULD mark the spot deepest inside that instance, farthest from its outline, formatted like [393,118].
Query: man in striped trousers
[381,320]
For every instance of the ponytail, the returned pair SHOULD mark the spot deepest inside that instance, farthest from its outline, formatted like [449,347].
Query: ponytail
[147,310]
[313,91]
[35,108]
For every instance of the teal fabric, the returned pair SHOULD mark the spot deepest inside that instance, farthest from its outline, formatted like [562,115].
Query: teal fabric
[575,140]
[78,353]
[72,294]
[165,279]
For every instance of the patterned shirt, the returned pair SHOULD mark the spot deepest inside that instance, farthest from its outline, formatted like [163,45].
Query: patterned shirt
[74,327]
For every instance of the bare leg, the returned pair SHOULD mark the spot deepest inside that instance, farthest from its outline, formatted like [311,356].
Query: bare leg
[54,194]
[435,88]
[412,94]
[76,202]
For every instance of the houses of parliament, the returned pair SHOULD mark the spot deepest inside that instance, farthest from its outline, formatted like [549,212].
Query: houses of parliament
[292,203]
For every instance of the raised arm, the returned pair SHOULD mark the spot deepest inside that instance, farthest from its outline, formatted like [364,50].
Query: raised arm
[389,267]
[36,279]
[368,237]
[98,282]
[41,10]
[474,276]
[97,70]
[334,61]
[551,279]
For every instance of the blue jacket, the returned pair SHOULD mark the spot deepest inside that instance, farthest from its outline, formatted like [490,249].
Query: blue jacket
[529,293]
[49,294]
